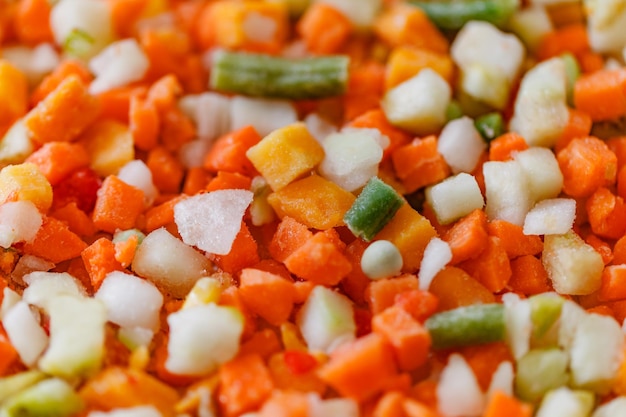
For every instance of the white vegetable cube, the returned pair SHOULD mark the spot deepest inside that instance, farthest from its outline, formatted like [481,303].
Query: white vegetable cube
[592,369]
[565,402]
[455,197]
[605,25]
[489,61]
[202,338]
[130,301]
[614,407]
[265,115]
[542,171]
[43,287]
[554,216]
[458,392]
[461,145]
[531,24]
[169,263]
[572,315]
[419,104]
[326,320]
[119,64]
[518,323]
[19,222]
[574,267]
[77,335]
[25,333]
[351,158]
[83,27]
[507,191]
[541,112]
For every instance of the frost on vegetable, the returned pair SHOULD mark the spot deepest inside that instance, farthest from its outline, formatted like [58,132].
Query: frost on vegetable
[212,220]
[489,61]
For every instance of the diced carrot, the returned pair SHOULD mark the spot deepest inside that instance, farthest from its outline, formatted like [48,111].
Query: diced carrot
[602,247]
[289,236]
[176,129]
[491,267]
[304,380]
[419,163]
[245,383]
[167,171]
[284,403]
[56,160]
[360,369]
[505,146]
[528,276]
[405,62]
[117,387]
[228,153]
[144,122]
[365,89]
[376,119]
[161,215]
[124,15]
[164,92]
[8,354]
[619,251]
[118,205]
[390,404]
[229,180]
[409,339]
[55,242]
[618,146]
[231,297]
[77,220]
[67,68]
[501,404]
[402,24]
[571,38]
[303,290]
[601,94]
[587,164]
[13,84]
[414,408]
[485,359]
[456,288]
[425,392]
[590,62]
[268,295]
[619,384]
[323,28]
[578,126]
[125,250]
[419,304]
[63,114]
[243,254]
[196,180]
[115,103]
[382,293]
[99,259]
[410,232]
[468,237]
[513,239]
[319,260]
[606,214]
[613,283]
[32,22]
[355,283]
[265,343]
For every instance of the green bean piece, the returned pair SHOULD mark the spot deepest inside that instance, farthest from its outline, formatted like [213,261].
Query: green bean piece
[465,326]
[373,209]
[452,15]
[490,125]
[275,77]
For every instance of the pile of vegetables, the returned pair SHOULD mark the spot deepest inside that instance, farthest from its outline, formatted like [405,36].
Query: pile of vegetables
[308,208]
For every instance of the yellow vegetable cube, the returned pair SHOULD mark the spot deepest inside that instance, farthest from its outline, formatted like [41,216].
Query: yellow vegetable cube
[285,155]
[313,201]
[405,62]
[410,232]
[24,182]
[13,86]
[109,145]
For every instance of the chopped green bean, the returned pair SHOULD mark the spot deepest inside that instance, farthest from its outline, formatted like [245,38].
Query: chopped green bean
[464,326]
[275,77]
[454,14]
[490,126]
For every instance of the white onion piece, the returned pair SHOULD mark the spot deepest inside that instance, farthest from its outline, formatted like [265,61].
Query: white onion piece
[26,335]
[458,392]
[461,145]
[130,301]
[436,256]
[502,379]
[121,63]
[137,174]
[518,324]
[33,62]
[265,115]
[19,222]
[9,299]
